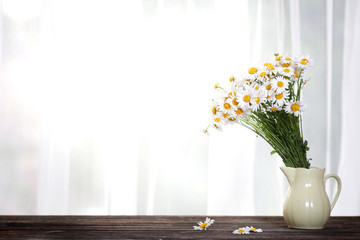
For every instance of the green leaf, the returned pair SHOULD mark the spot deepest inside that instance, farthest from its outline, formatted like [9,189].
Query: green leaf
[273,151]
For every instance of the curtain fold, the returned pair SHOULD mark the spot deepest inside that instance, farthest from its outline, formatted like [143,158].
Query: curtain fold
[102,104]
[329,59]
[350,197]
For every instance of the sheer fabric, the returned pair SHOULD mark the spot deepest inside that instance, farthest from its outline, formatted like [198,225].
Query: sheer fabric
[102,104]
[349,160]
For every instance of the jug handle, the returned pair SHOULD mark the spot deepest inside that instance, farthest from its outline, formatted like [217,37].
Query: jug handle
[337,178]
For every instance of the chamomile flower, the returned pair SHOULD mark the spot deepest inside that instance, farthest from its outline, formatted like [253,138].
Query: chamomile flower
[268,91]
[263,74]
[242,230]
[252,229]
[269,97]
[232,98]
[285,71]
[245,97]
[232,78]
[253,73]
[280,99]
[242,113]
[278,60]
[217,119]
[295,108]
[232,118]
[296,74]
[204,225]
[287,61]
[279,84]
[259,97]
[304,61]
[270,68]
[226,106]
[214,107]
[274,108]
[268,88]
[224,118]
[247,230]
[256,87]
[216,126]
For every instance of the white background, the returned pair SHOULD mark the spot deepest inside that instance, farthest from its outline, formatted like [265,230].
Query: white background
[102,104]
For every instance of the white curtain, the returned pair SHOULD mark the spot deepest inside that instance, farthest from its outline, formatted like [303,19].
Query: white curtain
[102,103]
[349,204]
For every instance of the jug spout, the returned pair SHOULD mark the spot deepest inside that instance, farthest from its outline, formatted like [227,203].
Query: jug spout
[289,173]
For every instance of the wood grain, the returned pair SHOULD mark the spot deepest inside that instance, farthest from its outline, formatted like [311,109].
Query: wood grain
[166,227]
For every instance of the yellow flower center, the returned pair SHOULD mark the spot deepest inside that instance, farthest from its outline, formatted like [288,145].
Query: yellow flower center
[280,83]
[247,98]
[279,96]
[235,102]
[268,87]
[286,70]
[213,110]
[288,59]
[217,120]
[241,230]
[253,229]
[232,119]
[227,106]
[252,70]
[232,79]
[262,74]
[270,67]
[274,109]
[203,225]
[268,97]
[286,64]
[296,74]
[295,107]
[304,61]
[257,88]
[257,99]
[216,85]
[239,111]
[278,58]
[226,115]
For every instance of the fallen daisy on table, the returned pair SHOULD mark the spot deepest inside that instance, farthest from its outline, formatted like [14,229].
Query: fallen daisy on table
[252,229]
[247,230]
[241,231]
[204,225]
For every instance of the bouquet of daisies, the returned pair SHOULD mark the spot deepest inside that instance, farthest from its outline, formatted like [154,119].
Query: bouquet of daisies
[268,102]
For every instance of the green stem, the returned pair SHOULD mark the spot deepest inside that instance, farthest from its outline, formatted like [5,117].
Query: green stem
[283,132]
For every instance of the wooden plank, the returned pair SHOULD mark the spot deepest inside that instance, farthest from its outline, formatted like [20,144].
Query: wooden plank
[166,227]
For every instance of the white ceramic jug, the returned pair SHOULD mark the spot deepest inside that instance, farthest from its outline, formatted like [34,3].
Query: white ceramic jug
[307,205]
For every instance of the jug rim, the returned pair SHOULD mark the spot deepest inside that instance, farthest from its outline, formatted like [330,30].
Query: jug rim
[309,169]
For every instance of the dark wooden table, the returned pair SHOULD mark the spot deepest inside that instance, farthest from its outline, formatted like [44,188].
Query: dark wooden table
[166,227]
